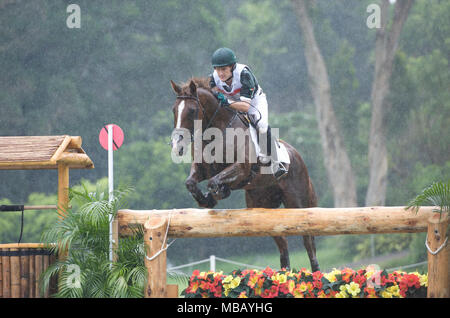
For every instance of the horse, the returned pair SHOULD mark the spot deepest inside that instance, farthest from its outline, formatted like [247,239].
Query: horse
[196,101]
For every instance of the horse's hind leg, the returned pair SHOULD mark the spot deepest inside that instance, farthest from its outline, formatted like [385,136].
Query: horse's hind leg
[292,201]
[308,241]
[282,244]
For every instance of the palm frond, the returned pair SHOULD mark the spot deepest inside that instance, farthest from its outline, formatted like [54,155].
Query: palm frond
[83,236]
[437,194]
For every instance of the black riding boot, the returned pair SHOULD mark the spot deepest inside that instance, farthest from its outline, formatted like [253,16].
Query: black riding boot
[278,169]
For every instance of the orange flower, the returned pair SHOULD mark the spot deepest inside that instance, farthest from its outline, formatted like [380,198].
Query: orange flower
[371,292]
[298,294]
[252,281]
[288,287]
[192,288]
[321,294]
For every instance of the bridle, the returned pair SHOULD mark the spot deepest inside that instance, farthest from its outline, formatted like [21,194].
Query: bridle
[199,105]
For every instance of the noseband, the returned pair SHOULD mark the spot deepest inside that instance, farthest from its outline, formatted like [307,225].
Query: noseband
[199,105]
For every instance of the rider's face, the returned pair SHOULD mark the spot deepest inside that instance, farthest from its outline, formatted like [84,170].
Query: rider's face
[224,72]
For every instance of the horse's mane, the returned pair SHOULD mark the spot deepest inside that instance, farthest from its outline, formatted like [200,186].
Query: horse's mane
[202,82]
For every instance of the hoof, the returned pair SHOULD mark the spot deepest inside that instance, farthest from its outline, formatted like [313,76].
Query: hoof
[210,202]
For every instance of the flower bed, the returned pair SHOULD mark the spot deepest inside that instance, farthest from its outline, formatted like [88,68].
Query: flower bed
[345,283]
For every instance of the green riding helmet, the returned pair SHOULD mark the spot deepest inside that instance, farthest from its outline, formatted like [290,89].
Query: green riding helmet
[223,57]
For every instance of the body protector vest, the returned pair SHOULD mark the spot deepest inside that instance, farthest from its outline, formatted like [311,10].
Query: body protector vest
[238,89]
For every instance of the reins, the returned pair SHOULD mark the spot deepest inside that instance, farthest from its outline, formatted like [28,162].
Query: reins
[199,105]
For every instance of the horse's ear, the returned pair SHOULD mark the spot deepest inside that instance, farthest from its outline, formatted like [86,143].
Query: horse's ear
[193,88]
[175,87]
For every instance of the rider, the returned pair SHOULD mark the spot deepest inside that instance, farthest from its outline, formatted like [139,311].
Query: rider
[237,82]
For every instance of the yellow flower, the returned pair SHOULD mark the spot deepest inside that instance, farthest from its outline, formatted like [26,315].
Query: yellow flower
[394,290]
[235,282]
[242,295]
[290,274]
[353,289]
[282,278]
[303,287]
[258,291]
[386,294]
[342,294]
[227,279]
[331,276]
[423,280]
[291,285]
[298,294]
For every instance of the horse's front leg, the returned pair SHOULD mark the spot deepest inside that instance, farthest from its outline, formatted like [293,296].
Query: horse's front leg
[220,185]
[197,175]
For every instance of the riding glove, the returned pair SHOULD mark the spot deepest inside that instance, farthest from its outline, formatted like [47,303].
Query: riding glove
[223,101]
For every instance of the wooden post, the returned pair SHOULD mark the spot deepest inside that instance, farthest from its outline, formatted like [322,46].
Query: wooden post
[63,198]
[438,261]
[15,274]
[63,188]
[32,277]
[45,265]
[155,238]
[37,273]
[24,274]
[1,274]
[6,273]
[172,291]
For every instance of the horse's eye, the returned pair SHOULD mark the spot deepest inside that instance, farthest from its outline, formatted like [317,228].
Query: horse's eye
[191,112]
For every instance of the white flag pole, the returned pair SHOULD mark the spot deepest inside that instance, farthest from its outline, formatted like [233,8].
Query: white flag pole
[111,186]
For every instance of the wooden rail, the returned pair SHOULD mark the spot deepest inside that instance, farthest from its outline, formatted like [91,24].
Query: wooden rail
[284,222]
[281,222]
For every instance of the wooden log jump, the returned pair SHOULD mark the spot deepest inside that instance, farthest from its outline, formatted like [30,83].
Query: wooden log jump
[281,222]
[285,222]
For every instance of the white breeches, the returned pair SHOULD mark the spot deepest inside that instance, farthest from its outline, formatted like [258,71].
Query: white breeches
[260,103]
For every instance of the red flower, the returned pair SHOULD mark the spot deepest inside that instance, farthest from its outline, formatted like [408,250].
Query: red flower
[284,288]
[268,271]
[317,284]
[270,292]
[317,275]
[360,279]
[411,280]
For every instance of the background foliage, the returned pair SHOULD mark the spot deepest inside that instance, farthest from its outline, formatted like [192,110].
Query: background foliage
[116,69]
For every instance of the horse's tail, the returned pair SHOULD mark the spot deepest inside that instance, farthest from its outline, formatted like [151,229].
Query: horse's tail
[312,194]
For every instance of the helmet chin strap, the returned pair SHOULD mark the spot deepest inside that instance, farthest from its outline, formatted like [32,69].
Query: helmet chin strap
[232,70]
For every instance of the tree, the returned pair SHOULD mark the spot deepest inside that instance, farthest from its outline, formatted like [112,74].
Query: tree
[337,161]
[339,169]
[386,45]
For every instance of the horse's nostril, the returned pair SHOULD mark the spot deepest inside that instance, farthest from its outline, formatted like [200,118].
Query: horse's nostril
[180,152]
